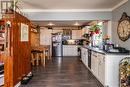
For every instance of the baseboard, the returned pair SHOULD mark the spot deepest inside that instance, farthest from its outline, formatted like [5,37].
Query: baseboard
[18,84]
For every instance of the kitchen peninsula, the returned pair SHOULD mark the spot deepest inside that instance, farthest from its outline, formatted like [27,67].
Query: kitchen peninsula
[103,65]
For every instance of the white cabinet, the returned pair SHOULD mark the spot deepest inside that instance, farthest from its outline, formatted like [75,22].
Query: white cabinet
[84,56]
[76,34]
[98,66]
[70,50]
[101,68]
[94,63]
[105,67]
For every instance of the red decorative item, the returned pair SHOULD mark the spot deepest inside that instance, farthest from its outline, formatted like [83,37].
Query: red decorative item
[97,31]
[91,33]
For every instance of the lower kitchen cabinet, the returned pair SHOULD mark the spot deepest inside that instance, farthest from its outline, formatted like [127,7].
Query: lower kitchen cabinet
[104,66]
[70,50]
[101,68]
[94,63]
[84,56]
[98,66]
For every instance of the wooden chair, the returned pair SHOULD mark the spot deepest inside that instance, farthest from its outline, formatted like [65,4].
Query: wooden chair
[33,59]
[35,55]
[47,50]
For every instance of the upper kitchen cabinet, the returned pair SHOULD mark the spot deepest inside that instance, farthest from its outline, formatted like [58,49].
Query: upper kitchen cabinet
[67,33]
[76,34]
[85,30]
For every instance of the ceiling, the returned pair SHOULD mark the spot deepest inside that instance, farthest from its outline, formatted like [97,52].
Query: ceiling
[69,4]
[61,23]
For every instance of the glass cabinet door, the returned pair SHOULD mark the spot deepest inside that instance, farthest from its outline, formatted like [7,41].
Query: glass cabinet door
[124,72]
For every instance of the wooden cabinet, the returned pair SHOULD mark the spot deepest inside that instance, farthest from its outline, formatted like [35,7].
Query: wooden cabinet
[17,60]
[70,50]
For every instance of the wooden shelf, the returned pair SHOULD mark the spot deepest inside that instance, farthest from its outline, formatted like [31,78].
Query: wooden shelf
[2,31]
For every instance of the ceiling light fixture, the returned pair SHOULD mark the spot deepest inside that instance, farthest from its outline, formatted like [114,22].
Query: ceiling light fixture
[76,24]
[51,24]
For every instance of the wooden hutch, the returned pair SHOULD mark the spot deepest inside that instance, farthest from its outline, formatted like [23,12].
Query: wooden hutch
[14,52]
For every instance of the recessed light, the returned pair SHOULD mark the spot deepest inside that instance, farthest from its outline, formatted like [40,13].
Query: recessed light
[76,24]
[50,24]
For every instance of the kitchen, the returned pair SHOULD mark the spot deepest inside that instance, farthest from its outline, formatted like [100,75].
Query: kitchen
[98,38]
[92,43]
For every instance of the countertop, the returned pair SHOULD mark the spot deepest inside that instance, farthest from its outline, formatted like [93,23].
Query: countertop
[104,52]
[69,44]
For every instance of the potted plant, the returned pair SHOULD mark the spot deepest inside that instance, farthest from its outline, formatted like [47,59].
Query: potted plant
[95,29]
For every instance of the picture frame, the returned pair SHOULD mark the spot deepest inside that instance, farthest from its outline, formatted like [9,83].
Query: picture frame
[24,32]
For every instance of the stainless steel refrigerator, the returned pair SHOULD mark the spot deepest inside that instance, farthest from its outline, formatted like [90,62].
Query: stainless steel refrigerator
[57,48]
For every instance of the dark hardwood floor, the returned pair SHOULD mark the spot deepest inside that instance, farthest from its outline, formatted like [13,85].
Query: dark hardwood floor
[63,72]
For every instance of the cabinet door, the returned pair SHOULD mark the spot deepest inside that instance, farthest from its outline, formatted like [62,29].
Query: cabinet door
[101,70]
[65,50]
[93,62]
[96,61]
[82,54]
[86,57]
[74,33]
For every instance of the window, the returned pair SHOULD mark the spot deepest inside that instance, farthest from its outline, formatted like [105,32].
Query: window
[97,36]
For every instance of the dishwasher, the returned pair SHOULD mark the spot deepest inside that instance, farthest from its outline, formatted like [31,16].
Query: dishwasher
[89,58]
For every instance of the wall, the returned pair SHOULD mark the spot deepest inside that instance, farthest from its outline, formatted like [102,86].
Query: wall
[107,27]
[35,39]
[116,15]
[70,15]
[0,16]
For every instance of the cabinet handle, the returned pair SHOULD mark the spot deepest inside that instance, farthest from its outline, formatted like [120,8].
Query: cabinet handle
[99,62]
[103,59]
[95,55]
